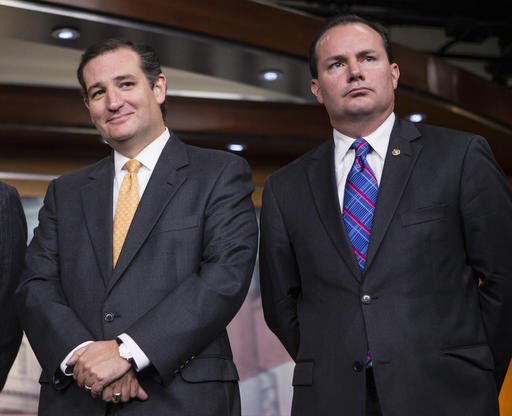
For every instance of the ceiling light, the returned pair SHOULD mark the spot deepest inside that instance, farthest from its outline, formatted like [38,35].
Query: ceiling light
[65,33]
[271,75]
[416,117]
[236,147]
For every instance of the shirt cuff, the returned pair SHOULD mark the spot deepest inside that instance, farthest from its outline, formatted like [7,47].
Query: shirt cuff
[141,359]
[64,367]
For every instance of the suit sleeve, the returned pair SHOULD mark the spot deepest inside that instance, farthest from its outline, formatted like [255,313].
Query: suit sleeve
[279,276]
[13,240]
[194,314]
[486,204]
[51,325]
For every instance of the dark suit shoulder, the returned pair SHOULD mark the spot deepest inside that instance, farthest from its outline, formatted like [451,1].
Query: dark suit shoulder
[290,171]
[211,158]
[86,172]
[445,136]
[7,189]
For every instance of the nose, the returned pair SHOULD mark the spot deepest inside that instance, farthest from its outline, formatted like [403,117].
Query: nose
[354,71]
[114,100]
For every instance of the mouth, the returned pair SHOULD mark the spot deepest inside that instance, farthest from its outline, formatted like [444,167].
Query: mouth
[358,91]
[118,118]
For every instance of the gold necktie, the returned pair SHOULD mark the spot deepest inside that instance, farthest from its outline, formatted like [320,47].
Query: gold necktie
[126,205]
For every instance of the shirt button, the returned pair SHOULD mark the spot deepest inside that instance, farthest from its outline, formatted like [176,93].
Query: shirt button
[357,366]
[109,317]
[366,299]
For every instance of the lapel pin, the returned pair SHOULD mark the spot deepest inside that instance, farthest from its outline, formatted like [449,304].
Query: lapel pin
[395,152]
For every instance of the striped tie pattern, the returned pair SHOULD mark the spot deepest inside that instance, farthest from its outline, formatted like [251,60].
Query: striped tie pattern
[359,200]
[127,203]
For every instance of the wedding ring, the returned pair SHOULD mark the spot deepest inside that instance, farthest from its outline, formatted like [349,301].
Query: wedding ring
[116,397]
[88,388]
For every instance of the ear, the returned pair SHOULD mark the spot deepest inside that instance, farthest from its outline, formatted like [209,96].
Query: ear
[316,90]
[395,74]
[160,88]
[86,102]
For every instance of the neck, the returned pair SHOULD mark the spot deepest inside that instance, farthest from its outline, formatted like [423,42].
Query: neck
[359,127]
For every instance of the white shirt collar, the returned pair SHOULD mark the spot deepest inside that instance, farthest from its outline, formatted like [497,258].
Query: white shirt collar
[378,140]
[147,156]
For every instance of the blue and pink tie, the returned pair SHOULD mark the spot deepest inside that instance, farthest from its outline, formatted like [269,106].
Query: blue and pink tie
[359,201]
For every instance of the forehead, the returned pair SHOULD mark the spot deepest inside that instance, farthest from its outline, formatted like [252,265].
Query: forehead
[348,37]
[112,64]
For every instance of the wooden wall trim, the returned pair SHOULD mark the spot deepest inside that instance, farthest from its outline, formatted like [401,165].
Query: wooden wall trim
[288,32]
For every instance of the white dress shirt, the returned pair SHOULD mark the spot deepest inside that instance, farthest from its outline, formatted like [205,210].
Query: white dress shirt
[344,156]
[148,157]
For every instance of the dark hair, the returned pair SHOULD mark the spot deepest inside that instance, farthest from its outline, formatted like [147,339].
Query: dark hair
[149,62]
[346,19]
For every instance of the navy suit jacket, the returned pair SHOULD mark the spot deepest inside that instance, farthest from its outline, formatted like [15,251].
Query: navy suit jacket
[440,340]
[13,241]
[182,275]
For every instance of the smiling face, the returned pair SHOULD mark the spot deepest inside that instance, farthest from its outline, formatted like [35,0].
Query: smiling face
[356,81]
[122,104]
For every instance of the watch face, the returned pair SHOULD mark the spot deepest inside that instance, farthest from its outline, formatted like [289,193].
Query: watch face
[124,353]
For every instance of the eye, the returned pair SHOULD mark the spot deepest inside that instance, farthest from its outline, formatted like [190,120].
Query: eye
[127,84]
[95,94]
[369,58]
[337,64]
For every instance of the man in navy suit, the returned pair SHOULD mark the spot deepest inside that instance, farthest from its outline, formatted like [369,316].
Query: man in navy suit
[13,241]
[400,303]
[145,332]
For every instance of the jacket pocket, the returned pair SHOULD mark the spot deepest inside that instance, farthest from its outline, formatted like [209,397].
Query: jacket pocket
[209,369]
[303,373]
[479,355]
[426,214]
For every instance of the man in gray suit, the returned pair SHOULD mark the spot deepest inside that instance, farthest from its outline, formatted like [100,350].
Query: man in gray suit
[386,253]
[13,241]
[142,328]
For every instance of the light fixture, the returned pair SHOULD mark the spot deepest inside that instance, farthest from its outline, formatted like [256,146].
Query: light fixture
[271,75]
[236,147]
[66,33]
[416,117]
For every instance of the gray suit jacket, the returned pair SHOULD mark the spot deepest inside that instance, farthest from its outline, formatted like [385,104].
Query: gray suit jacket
[13,242]
[441,343]
[182,275]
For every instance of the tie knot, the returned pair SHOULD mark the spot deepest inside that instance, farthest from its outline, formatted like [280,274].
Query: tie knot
[361,147]
[132,166]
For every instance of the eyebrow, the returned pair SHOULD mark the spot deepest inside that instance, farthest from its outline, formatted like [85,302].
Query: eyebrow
[116,79]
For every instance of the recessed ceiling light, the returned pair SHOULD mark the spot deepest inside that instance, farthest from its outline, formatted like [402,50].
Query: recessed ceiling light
[416,117]
[65,33]
[271,74]
[236,147]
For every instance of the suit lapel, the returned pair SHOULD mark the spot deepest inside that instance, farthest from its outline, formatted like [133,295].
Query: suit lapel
[321,175]
[397,169]
[97,208]
[163,184]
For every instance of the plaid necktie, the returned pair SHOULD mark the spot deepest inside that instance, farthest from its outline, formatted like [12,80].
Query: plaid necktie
[359,201]
[127,203]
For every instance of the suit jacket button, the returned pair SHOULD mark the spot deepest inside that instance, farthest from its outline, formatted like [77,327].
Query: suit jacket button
[366,299]
[109,317]
[357,366]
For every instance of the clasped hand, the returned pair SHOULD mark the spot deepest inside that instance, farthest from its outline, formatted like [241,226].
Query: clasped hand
[98,368]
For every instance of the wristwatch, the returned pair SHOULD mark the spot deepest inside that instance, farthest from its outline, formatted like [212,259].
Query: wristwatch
[125,353]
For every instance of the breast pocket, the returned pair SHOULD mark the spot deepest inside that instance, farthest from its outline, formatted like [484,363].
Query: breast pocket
[176,224]
[424,215]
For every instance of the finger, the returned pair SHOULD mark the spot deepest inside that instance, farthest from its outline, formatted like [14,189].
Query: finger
[75,356]
[141,394]
[124,389]
[107,393]
[134,388]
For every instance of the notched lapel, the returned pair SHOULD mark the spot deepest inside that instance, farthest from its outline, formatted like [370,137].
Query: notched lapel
[97,209]
[322,181]
[397,170]
[163,185]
